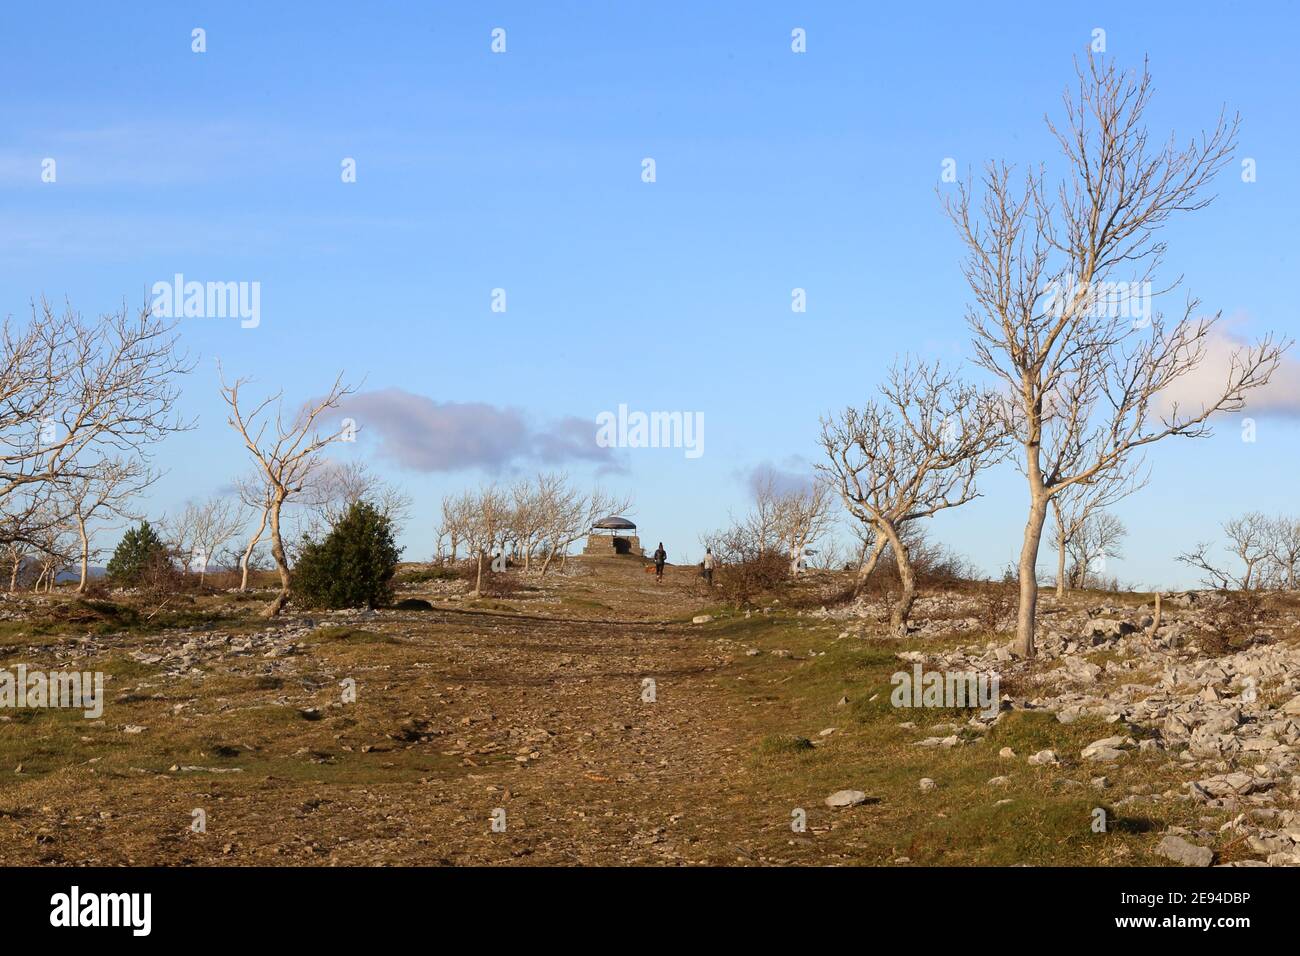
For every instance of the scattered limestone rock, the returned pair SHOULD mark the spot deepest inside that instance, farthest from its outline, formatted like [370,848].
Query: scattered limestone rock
[1106,750]
[1175,848]
[846,798]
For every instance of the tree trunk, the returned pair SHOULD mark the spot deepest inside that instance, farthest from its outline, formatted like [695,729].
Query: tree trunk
[478,580]
[550,556]
[281,562]
[1027,615]
[1060,557]
[85,553]
[902,609]
[13,574]
[868,564]
[248,552]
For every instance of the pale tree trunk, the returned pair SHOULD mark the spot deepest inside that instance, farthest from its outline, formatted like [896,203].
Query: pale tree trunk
[550,556]
[1060,558]
[281,562]
[478,580]
[902,609]
[13,574]
[248,552]
[85,553]
[1027,615]
[869,563]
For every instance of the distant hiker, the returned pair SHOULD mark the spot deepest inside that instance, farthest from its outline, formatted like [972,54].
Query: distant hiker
[660,557]
[708,566]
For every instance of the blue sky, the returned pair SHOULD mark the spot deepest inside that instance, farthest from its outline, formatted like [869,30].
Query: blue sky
[522,171]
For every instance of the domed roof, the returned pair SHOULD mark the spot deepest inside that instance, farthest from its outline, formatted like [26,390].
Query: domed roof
[614,523]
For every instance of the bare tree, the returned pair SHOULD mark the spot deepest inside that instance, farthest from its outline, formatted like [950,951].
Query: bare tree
[529,501]
[337,486]
[791,520]
[256,494]
[457,512]
[1284,548]
[1083,378]
[54,550]
[1075,505]
[15,542]
[288,456]
[568,515]
[203,529]
[15,555]
[104,493]
[75,393]
[1095,539]
[832,554]
[1247,539]
[871,545]
[907,457]
[487,520]
[345,484]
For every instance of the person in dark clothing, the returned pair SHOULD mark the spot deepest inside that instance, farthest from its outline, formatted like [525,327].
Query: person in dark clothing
[660,557]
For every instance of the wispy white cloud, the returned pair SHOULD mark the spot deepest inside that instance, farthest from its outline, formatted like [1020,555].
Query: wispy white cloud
[791,474]
[1205,383]
[424,435]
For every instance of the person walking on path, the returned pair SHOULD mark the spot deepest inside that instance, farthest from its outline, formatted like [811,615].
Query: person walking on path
[708,566]
[660,557]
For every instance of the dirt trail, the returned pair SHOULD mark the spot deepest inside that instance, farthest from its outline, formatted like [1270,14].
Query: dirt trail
[603,741]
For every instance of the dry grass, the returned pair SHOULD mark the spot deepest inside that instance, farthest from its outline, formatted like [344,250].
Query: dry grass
[535,705]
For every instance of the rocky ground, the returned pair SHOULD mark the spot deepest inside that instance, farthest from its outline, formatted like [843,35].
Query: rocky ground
[1227,723]
[596,717]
